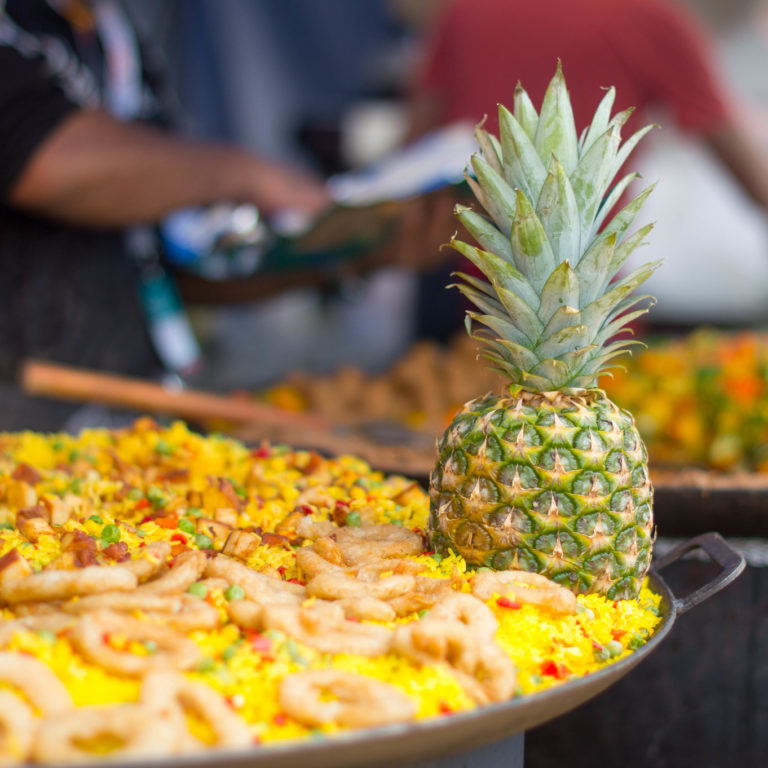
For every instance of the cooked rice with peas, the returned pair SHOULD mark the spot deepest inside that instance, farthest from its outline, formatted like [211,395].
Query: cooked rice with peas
[148,567]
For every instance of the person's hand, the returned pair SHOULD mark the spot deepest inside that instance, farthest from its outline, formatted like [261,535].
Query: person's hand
[272,187]
[426,226]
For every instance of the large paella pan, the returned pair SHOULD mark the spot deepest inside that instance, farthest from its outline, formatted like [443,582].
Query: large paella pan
[166,594]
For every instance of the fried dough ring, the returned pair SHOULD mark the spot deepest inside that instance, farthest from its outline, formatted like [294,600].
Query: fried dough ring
[174,651]
[170,694]
[142,733]
[36,681]
[17,725]
[357,701]
[46,586]
[538,589]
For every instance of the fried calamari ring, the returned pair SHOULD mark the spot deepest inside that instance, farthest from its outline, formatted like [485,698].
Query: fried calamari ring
[187,568]
[49,622]
[17,727]
[52,585]
[467,610]
[141,733]
[524,587]
[36,681]
[479,664]
[183,612]
[171,696]
[323,696]
[256,586]
[342,586]
[359,544]
[324,627]
[172,650]
[151,559]
[246,613]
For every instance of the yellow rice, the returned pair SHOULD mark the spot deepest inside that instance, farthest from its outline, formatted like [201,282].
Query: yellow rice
[547,648]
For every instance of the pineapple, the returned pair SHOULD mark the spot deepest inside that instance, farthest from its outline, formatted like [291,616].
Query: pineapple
[550,476]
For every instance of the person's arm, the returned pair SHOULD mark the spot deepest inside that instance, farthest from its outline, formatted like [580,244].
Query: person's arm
[745,160]
[95,171]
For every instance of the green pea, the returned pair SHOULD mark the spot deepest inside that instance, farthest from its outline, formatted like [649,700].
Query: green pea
[163,448]
[96,519]
[602,654]
[150,645]
[230,651]
[195,512]
[234,592]
[135,494]
[6,526]
[198,589]
[203,541]
[110,533]
[614,648]
[156,497]
[354,519]
[187,526]
[206,665]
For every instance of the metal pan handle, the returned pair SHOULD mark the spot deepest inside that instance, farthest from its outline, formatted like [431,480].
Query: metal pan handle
[720,552]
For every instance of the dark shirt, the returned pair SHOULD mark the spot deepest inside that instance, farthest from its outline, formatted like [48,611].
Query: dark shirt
[67,294]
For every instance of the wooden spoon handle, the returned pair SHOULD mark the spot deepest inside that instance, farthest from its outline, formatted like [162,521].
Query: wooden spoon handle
[67,383]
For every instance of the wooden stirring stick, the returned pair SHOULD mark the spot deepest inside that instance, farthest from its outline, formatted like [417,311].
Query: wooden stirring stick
[63,382]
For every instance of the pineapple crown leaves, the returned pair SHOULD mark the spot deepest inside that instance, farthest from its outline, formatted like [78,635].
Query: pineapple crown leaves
[552,306]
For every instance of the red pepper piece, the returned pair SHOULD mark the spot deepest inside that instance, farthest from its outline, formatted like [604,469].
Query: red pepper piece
[259,642]
[505,602]
[555,669]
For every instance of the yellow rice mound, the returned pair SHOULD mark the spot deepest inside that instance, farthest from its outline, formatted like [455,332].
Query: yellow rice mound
[127,485]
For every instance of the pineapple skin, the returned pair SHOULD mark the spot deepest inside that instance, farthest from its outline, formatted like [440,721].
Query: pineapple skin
[550,482]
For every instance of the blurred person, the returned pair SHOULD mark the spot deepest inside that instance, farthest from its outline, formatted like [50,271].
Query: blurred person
[87,155]
[654,52]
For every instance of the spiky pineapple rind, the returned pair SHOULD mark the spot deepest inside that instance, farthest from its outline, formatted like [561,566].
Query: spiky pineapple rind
[546,482]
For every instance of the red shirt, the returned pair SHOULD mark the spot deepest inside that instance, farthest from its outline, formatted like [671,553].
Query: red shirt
[651,51]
